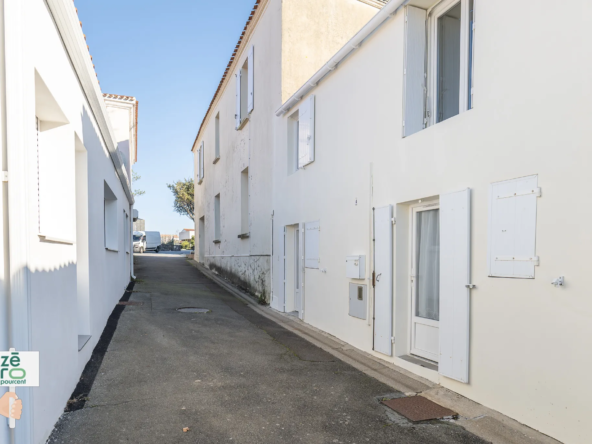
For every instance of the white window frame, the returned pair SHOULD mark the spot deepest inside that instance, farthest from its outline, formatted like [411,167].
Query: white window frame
[414,209]
[432,58]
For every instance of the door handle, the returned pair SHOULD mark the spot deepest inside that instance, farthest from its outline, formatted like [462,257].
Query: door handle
[378,277]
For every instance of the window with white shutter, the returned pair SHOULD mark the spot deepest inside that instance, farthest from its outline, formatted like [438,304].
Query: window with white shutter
[237,114]
[512,227]
[311,244]
[414,70]
[202,161]
[251,77]
[306,132]
[438,65]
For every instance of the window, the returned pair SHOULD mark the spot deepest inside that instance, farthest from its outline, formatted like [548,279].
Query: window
[301,136]
[438,71]
[245,90]
[311,244]
[217,223]
[217,138]
[512,227]
[110,218]
[244,203]
[56,160]
[200,163]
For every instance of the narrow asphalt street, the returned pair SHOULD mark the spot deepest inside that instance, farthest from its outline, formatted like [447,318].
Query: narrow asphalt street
[230,375]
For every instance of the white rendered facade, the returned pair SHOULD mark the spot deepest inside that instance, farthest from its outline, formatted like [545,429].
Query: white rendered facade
[510,162]
[67,206]
[233,151]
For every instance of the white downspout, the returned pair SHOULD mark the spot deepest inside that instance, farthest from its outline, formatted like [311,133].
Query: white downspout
[131,240]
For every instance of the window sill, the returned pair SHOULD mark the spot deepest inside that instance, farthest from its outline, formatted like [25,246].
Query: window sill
[55,240]
[82,340]
[217,241]
[244,236]
[243,123]
[199,181]
[216,160]
[111,249]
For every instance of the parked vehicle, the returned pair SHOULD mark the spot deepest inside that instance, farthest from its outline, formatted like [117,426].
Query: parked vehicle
[146,241]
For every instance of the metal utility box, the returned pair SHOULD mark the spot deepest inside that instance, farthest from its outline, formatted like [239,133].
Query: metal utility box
[355,267]
[358,296]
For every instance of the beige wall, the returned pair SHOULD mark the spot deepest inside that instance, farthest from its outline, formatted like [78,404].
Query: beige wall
[312,32]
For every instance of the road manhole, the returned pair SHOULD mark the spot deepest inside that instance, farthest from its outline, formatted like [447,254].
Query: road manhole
[193,310]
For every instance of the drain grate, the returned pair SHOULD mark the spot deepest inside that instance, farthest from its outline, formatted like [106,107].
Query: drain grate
[418,408]
[193,310]
[130,303]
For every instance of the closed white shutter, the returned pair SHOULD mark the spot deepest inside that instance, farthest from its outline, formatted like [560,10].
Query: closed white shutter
[512,227]
[237,116]
[383,267]
[251,65]
[455,275]
[202,158]
[199,163]
[311,244]
[414,70]
[306,132]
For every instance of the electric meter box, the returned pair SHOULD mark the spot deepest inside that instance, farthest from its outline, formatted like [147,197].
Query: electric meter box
[355,267]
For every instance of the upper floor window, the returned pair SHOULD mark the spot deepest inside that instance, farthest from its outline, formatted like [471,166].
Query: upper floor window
[245,86]
[301,135]
[438,71]
[200,163]
[217,138]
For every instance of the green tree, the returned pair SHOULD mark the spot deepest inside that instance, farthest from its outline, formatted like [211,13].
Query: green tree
[183,191]
[135,178]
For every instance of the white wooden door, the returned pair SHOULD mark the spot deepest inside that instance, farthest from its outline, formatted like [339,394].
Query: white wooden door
[455,283]
[297,271]
[301,268]
[383,290]
[425,282]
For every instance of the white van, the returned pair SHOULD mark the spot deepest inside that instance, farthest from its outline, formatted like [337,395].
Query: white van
[146,241]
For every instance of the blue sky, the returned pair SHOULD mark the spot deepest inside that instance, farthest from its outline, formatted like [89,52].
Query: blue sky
[170,56]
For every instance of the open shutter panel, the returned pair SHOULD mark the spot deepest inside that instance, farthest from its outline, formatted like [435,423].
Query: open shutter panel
[414,70]
[306,132]
[251,79]
[202,158]
[455,275]
[383,267]
[512,228]
[199,164]
[238,99]
[311,244]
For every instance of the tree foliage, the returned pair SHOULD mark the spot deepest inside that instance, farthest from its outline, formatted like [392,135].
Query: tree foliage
[183,192]
[135,178]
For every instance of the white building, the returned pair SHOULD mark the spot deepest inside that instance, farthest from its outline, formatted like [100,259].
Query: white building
[186,234]
[452,151]
[429,185]
[66,205]
[278,50]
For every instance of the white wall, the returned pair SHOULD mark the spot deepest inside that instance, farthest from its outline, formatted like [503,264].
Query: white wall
[51,266]
[529,350]
[284,51]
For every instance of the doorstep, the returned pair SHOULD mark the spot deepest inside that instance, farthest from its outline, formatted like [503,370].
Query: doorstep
[481,421]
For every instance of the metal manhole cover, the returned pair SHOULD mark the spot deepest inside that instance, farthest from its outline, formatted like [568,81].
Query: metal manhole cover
[418,408]
[193,310]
